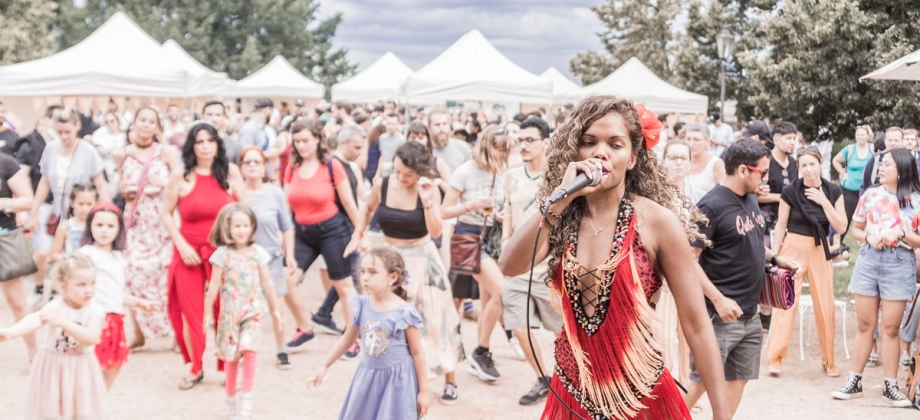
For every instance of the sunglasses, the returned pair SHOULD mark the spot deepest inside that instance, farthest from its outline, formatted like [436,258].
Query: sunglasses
[803,150]
[761,172]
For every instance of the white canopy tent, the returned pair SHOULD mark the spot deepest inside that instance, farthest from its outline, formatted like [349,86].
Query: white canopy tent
[904,68]
[118,58]
[277,79]
[380,81]
[202,80]
[473,70]
[637,83]
[564,90]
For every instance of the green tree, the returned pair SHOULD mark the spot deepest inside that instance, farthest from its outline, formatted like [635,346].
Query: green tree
[634,28]
[811,56]
[591,66]
[232,36]
[696,58]
[25,30]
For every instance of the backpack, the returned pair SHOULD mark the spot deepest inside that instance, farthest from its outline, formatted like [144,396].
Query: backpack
[913,381]
[913,370]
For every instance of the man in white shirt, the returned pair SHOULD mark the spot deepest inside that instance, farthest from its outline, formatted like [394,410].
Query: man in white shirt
[720,134]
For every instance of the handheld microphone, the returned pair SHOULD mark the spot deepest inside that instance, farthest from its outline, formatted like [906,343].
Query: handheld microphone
[578,183]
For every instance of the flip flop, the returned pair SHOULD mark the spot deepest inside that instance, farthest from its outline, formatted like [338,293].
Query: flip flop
[187,384]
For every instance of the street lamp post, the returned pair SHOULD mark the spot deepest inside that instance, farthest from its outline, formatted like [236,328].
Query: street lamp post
[724,42]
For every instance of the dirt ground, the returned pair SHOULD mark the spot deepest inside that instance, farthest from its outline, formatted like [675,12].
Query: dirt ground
[146,387]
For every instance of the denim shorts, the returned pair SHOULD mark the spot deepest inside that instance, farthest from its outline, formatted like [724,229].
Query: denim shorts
[739,342]
[889,274]
[329,239]
[465,228]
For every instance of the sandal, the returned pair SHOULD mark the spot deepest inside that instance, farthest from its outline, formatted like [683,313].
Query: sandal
[187,384]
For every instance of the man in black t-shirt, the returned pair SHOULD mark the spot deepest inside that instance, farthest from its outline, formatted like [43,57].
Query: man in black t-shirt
[8,137]
[734,267]
[783,170]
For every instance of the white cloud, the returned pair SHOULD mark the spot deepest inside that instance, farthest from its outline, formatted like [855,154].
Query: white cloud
[535,34]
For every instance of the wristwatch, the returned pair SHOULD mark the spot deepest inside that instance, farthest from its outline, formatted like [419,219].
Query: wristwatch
[773,258]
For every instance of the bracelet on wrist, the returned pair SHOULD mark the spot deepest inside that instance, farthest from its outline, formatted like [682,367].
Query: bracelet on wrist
[359,233]
[545,209]
[773,259]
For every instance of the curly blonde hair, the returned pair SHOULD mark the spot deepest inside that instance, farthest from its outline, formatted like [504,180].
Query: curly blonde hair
[647,178]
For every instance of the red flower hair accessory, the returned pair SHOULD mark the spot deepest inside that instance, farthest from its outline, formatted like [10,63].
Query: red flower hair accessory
[651,127]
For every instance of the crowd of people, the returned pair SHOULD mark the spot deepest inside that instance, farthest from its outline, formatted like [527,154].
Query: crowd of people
[153,223]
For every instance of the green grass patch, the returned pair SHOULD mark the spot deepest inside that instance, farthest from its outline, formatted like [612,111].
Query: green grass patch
[842,274]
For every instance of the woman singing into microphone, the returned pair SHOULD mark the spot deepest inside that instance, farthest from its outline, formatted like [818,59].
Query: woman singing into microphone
[609,247]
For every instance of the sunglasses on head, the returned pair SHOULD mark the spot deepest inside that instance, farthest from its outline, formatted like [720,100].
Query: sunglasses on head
[500,132]
[803,150]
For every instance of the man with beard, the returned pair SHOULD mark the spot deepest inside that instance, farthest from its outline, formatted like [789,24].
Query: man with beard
[252,133]
[451,150]
[214,112]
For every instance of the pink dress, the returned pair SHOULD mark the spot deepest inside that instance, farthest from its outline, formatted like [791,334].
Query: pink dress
[65,381]
[148,250]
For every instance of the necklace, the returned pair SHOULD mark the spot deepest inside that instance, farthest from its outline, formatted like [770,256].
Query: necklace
[598,231]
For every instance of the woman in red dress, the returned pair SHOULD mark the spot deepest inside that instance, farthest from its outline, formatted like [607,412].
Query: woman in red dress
[198,190]
[609,246]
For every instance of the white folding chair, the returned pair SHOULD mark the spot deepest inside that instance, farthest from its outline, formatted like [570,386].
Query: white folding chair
[806,305]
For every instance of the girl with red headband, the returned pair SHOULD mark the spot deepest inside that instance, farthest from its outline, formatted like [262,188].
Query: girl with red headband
[103,242]
[610,246]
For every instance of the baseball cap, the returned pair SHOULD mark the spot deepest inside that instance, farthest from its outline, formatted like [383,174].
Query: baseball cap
[760,129]
[298,102]
[264,103]
[713,116]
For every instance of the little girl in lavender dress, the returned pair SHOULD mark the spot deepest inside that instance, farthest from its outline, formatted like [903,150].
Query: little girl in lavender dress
[390,383]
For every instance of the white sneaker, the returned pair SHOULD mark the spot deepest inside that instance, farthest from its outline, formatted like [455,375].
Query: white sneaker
[516,347]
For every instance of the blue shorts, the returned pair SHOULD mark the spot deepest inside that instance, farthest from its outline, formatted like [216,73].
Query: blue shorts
[329,239]
[890,274]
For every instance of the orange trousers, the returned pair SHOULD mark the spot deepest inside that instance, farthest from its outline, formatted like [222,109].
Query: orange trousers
[820,274]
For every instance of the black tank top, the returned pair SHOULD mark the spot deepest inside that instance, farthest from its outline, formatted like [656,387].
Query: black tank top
[400,224]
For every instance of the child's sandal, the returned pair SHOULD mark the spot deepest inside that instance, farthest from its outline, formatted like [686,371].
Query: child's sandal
[187,384]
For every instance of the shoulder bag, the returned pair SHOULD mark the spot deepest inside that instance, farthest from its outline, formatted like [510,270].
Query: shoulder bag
[466,249]
[54,219]
[778,289]
[15,257]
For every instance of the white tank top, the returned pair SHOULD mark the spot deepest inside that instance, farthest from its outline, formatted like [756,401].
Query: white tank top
[705,179]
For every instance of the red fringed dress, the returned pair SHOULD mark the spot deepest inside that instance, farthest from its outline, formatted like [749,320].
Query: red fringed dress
[608,365]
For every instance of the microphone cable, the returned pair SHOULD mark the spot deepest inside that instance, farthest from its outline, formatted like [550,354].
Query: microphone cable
[533,351]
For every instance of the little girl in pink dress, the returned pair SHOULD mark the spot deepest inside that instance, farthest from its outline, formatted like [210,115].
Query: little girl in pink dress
[65,381]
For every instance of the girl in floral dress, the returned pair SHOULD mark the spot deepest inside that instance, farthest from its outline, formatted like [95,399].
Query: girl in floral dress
[144,172]
[239,272]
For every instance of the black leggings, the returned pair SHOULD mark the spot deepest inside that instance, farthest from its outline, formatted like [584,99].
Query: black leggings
[850,200]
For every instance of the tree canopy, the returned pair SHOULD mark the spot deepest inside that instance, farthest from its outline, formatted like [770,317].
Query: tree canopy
[798,60]
[232,36]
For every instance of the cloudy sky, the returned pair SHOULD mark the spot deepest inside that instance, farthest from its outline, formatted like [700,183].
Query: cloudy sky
[535,34]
